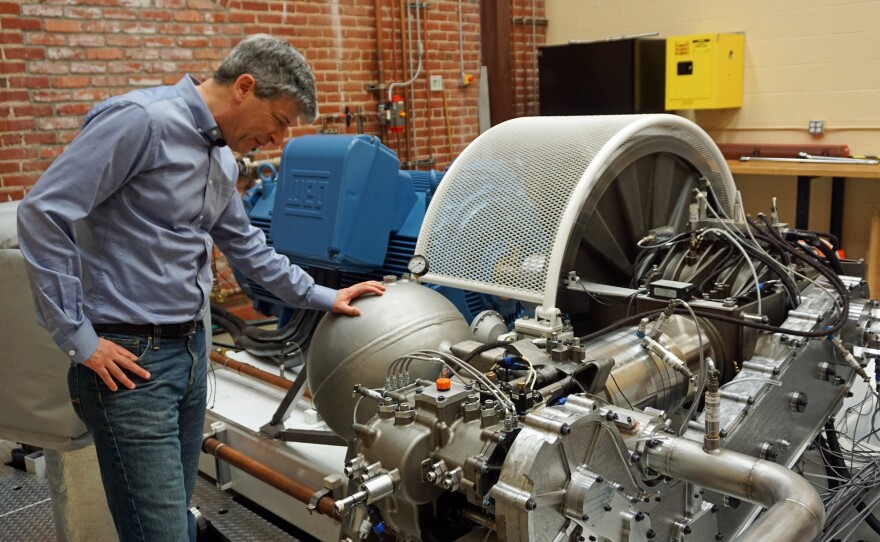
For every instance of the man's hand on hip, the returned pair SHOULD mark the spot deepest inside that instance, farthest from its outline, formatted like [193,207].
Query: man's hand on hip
[110,359]
[345,296]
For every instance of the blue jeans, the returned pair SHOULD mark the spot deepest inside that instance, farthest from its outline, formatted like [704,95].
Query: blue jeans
[148,439]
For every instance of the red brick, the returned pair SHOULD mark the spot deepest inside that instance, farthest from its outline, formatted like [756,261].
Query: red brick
[51,95]
[127,14]
[10,7]
[188,16]
[39,138]
[11,37]
[89,95]
[12,67]
[84,13]
[11,194]
[86,40]
[69,81]
[36,53]
[59,123]
[88,67]
[14,184]
[52,25]
[21,111]
[17,95]
[10,167]
[16,125]
[117,40]
[45,39]
[104,54]
[20,24]
[18,153]
[156,15]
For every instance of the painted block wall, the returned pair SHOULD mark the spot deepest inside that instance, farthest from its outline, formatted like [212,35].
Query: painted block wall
[804,59]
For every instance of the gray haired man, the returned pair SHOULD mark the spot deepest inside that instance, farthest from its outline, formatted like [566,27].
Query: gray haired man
[117,235]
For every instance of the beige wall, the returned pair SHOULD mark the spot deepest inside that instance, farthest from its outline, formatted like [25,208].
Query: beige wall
[805,59]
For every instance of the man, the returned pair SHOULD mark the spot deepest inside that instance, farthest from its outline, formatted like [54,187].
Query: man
[117,234]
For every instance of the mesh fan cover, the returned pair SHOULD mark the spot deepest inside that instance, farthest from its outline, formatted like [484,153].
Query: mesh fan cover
[496,217]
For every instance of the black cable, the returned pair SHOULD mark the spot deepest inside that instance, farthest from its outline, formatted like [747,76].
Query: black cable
[483,348]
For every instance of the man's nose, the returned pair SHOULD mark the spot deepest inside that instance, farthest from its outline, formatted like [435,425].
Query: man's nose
[277,137]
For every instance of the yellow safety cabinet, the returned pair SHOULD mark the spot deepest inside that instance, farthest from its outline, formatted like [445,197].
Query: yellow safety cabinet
[704,71]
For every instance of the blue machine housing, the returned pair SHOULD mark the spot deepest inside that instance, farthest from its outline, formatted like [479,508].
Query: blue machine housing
[342,208]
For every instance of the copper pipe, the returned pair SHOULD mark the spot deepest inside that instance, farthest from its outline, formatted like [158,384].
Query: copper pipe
[251,371]
[254,372]
[448,127]
[405,62]
[380,61]
[424,20]
[264,473]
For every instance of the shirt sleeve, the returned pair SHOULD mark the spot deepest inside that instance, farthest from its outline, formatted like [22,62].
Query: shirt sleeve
[116,141]
[245,246]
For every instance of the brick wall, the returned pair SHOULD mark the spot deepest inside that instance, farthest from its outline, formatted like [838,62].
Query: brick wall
[59,58]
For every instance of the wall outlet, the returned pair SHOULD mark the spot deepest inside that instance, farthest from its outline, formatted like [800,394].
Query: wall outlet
[816,127]
[436,83]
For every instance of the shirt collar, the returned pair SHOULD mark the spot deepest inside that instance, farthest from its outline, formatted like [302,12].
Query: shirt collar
[205,123]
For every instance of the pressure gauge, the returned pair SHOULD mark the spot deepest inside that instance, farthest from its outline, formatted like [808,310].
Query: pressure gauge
[418,265]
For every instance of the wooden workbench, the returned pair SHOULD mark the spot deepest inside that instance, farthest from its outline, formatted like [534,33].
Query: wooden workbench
[805,173]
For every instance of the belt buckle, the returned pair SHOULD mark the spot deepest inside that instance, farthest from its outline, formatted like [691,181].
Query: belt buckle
[189,329]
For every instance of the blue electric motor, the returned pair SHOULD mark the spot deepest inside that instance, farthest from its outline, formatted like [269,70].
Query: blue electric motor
[341,208]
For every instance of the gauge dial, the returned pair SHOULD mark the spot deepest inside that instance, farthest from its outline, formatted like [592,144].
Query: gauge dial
[418,265]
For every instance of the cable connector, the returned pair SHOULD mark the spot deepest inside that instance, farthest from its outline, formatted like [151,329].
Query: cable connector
[847,355]
[662,321]
[668,358]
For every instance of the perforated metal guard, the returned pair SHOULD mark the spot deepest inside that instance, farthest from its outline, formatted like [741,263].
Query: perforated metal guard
[500,219]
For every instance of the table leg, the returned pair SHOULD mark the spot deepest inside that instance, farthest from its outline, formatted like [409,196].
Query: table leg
[838,185]
[802,209]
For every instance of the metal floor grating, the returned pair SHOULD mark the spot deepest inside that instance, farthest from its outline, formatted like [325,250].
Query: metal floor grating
[26,510]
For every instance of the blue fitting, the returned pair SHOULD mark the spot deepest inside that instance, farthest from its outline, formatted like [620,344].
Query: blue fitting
[379,528]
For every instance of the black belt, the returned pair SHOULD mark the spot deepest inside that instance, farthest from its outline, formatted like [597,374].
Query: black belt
[165,330]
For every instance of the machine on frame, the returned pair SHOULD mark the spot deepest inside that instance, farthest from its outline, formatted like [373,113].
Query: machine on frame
[678,377]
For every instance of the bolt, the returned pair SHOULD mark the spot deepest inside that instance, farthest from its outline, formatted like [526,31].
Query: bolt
[635,457]
[441,398]
[714,508]
[607,507]
[722,433]
[719,536]
[585,518]
[485,468]
[599,479]
[531,505]
[592,538]
[640,516]
[565,429]
[487,503]
[687,529]
[650,534]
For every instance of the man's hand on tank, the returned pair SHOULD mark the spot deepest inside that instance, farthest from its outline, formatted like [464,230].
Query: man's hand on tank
[344,297]
[108,362]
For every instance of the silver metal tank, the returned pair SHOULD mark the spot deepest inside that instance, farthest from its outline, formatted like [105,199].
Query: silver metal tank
[345,351]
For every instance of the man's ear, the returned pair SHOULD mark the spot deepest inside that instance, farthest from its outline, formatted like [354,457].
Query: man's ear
[244,85]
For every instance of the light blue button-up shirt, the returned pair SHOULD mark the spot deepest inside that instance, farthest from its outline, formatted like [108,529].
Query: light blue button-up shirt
[119,229]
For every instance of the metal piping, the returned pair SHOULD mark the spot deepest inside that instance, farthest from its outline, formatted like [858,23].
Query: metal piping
[264,473]
[795,511]
[250,370]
